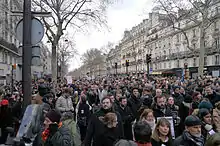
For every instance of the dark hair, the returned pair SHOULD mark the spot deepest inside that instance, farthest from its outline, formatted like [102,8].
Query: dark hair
[121,98]
[106,97]
[142,132]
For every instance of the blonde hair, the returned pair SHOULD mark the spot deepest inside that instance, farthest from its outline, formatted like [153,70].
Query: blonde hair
[162,121]
[145,113]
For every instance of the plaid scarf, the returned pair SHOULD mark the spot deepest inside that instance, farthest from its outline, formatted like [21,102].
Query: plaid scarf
[45,134]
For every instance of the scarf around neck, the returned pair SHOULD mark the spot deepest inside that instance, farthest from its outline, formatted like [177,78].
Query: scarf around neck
[199,141]
[45,134]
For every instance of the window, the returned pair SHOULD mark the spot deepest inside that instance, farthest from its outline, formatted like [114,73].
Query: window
[165,65]
[215,25]
[177,50]
[194,46]
[217,42]
[169,64]
[205,61]
[194,62]
[194,32]
[178,63]
[177,38]
[216,59]
[216,10]
[205,43]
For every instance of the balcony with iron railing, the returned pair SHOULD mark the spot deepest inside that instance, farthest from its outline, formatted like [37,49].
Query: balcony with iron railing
[186,54]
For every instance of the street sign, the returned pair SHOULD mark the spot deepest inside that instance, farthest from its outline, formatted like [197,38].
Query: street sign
[37,29]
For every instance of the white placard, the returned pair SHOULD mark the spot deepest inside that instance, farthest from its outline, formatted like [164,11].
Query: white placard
[215,73]
[170,119]
[69,79]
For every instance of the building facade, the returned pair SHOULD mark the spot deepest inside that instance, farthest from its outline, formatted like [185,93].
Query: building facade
[8,43]
[169,47]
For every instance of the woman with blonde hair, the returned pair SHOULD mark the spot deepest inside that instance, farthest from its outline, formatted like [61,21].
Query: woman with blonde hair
[148,117]
[162,133]
[109,133]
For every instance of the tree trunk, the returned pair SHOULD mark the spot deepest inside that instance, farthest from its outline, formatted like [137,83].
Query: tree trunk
[54,64]
[202,51]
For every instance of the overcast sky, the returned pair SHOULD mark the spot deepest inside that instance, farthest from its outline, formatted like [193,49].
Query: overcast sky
[121,16]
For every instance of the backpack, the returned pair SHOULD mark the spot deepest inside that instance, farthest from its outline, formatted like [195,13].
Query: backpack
[83,114]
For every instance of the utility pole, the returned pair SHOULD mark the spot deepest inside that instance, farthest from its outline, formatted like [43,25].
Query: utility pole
[27,48]
[27,53]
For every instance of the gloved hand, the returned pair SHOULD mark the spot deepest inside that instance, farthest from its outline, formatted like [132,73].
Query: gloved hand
[53,128]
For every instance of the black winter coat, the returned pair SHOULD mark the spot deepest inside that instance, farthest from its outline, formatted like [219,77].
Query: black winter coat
[161,113]
[134,103]
[127,119]
[96,127]
[61,138]
[108,137]
[214,98]
[183,141]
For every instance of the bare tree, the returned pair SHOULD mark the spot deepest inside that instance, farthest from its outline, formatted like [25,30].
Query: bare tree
[197,13]
[92,58]
[65,13]
[66,51]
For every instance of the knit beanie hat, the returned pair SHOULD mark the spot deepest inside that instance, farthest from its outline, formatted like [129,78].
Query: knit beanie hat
[203,112]
[192,121]
[205,104]
[4,102]
[54,116]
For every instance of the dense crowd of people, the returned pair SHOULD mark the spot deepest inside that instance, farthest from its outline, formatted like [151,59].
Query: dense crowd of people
[120,111]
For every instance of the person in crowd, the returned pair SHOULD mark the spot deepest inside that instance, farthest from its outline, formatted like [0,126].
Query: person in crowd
[64,102]
[185,110]
[162,133]
[116,104]
[5,120]
[123,142]
[213,96]
[83,110]
[192,136]
[95,126]
[178,98]
[206,118]
[142,133]
[183,92]
[134,102]
[148,117]
[68,122]
[109,132]
[127,118]
[159,107]
[55,133]
[213,140]
[205,104]
[158,93]
[216,117]
[146,98]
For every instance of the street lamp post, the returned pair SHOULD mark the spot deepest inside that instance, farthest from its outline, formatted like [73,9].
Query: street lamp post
[27,51]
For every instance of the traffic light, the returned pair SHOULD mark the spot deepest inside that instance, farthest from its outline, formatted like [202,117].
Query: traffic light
[148,58]
[185,65]
[14,66]
[127,63]
[116,65]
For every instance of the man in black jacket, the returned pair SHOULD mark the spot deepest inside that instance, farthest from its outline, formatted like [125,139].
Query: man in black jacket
[192,136]
[127,118]
[95,125]
[212,95]
[134,102]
